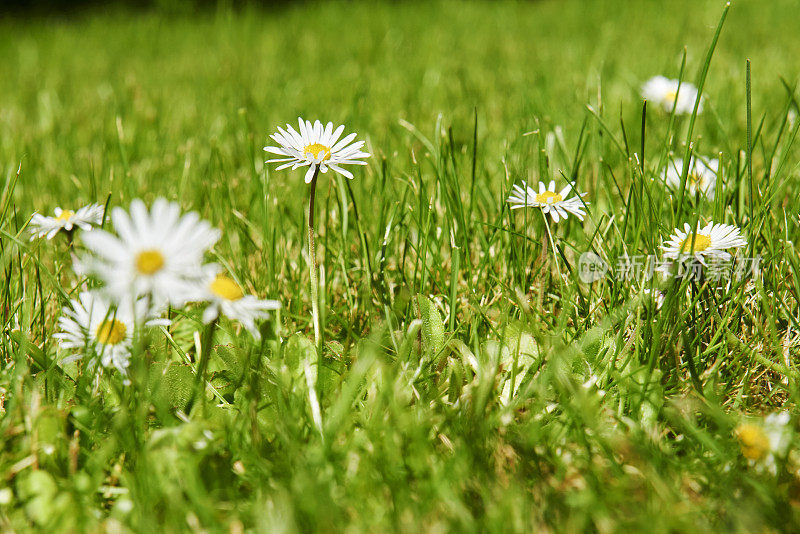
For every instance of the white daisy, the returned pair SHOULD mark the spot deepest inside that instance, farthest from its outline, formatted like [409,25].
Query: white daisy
[763,443]
[316,146]
[227,298]
[702,176]
[550,201]
[67,220]
[711,241]
[157,252]
[92,326]
[662,91]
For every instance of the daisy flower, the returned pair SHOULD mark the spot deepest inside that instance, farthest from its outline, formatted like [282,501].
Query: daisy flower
[157,252]
[66,220]
[315,146]
[702,176]
[662,91]
[711,241]
[550,201]
[763,443]
[91,324]
[225,297]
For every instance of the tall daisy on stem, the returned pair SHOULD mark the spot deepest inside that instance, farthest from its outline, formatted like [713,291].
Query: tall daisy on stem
[549,200]
[319,148]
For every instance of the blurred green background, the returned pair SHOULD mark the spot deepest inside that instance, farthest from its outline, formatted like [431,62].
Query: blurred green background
[182,88]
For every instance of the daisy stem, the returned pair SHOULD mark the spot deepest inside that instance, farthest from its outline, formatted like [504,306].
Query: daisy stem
[312,264]
[552,244]
[691,347]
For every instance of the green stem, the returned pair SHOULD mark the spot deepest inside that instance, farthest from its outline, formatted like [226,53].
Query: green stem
[312,264]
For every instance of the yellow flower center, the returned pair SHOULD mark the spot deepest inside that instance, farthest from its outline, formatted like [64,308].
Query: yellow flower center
[669,96]
[111,332]
[694,179]
[65,215]
[701,243]
[316,149]
[753,440]
[224,287]
[149,262]
[548,197]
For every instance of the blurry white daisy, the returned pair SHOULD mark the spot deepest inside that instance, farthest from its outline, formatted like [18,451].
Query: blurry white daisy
[316,146]
[548,199]
[662,91]
[157,252]
[91,325]
[763,443]
[85,218]
[711,241]
[227,298]
[702,176]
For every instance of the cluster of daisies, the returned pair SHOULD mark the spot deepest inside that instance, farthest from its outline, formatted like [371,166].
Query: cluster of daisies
[152,261]
[712,241]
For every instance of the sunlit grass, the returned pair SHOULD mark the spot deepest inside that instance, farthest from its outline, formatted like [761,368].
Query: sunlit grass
[468,379]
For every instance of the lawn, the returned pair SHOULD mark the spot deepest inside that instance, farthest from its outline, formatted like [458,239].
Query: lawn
[458,372]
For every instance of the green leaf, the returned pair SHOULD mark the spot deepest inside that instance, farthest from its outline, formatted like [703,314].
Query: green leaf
[171,385]
[37,355]
[432,327]
[297,350]
[234,358]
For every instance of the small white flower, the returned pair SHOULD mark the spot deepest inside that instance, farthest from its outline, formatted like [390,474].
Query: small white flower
[66,220]
[550,201]
[157,253]
[91,325]
[702,176]
[316,146]
[663,91]
[711,241]
[226,297]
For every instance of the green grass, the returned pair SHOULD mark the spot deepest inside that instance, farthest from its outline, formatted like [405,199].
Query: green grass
[468,381]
